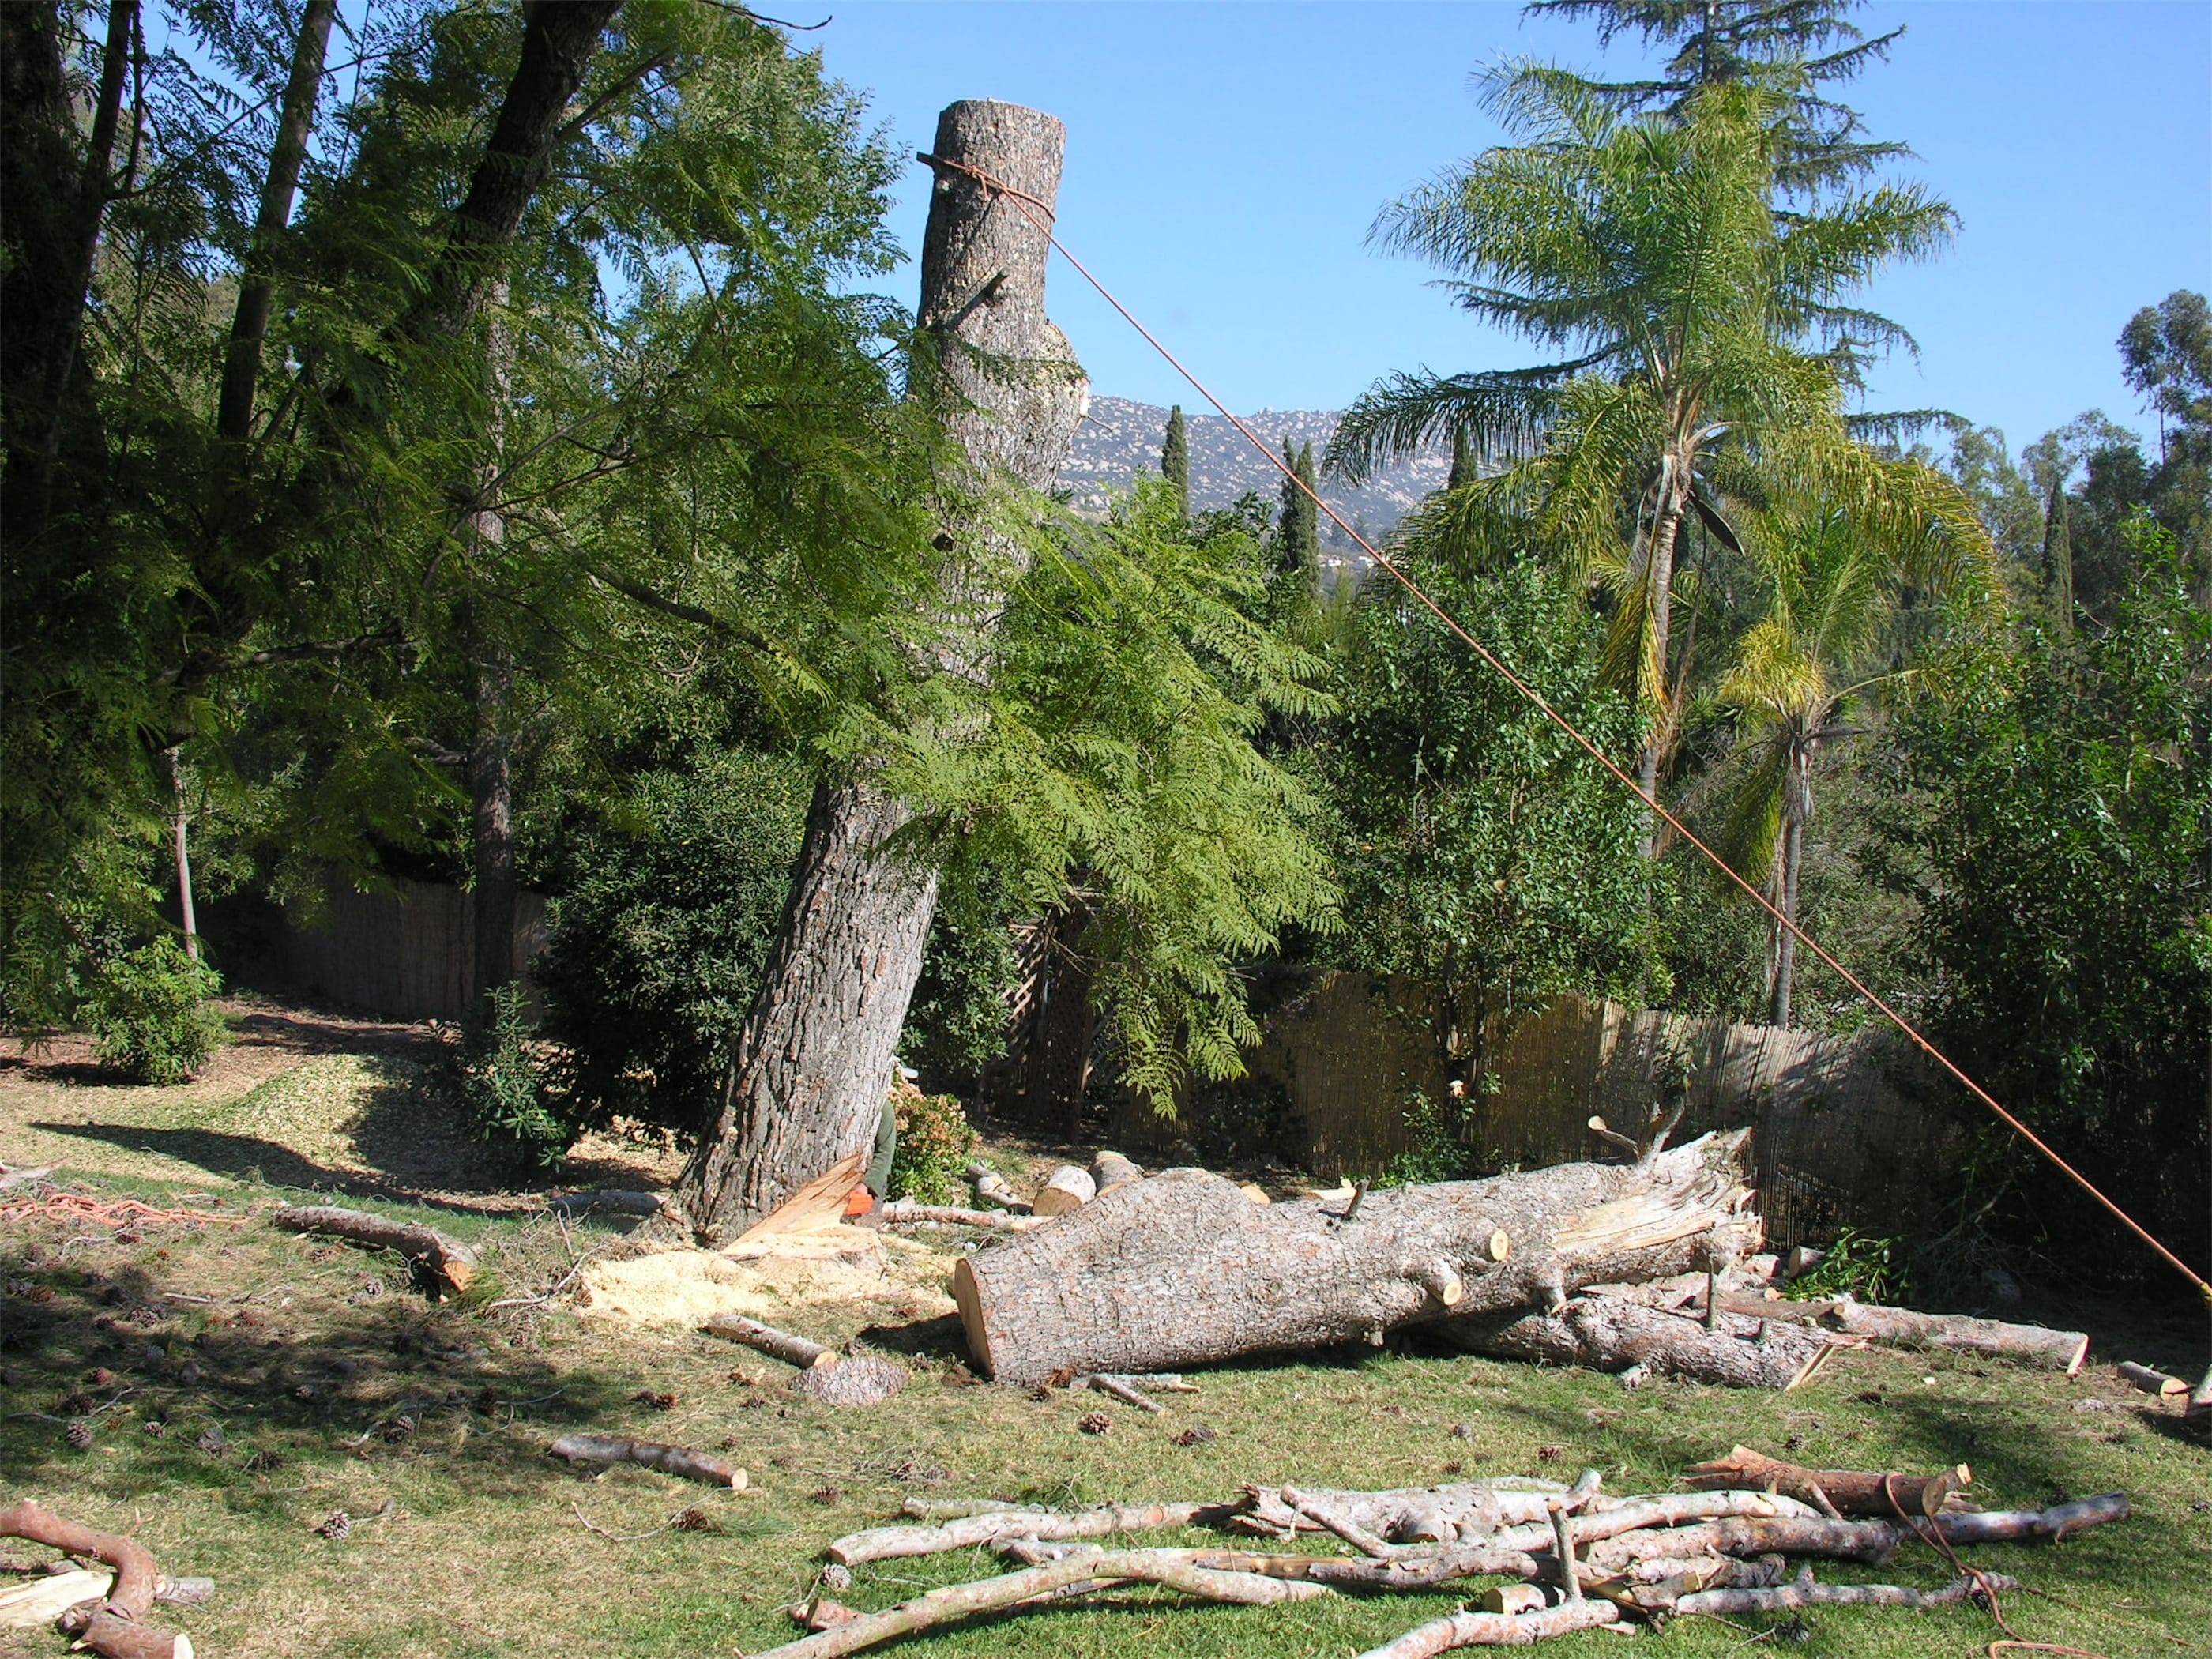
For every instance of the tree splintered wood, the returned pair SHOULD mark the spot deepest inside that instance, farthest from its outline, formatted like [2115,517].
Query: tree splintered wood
[110,1628]
[815,1054]
[1183,1269]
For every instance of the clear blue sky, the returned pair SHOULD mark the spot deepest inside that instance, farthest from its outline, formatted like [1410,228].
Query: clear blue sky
[1226,160]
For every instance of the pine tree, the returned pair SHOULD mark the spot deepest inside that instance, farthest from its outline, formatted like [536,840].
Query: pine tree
[1175,457]
[1721,41]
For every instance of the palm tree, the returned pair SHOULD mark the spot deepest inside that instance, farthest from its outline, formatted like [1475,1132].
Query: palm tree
[1837,583]
[1708,337]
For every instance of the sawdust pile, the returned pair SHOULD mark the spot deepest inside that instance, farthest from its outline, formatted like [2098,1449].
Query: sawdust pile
[770,1276]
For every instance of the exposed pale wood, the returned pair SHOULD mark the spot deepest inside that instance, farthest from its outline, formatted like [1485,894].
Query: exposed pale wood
[1562,1550]
[1612,1334]
[1122,1389]
[965,1531]
[451,1264]
[2150,1382]
[2017,1526]
[793,1350]
[863,1379]
[1493,1630]
[605,1451]
[1256,1193]
[991,1186]
[1183,1269]
[1065,1188]
[1320,1510]
[818,1203]
[1473,1510]
[1515,1598]
[2036,1344]
[1102,1568]
[1851,1491]
[41,1600]
[1111,1169]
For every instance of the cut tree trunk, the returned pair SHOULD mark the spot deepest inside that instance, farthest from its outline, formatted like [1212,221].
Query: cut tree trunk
[1182,1269]
[1847,1492]
[1607,1334]
[1065,1188]
[807,1079]
[783,1345]
[1111,1169]
[2159,1382]
[2036,1344]
[450,1263]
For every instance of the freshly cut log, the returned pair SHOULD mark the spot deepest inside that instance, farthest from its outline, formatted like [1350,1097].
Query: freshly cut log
[1848,1491]
[862,1379]
[1182,1269]
[1603,1332]
[2160,1383]
[604,1450]
[1065,1188]
[782,1345]
[451,1264]
[2036,1344]
[110,1628]
[991,1187]
[1111,1169]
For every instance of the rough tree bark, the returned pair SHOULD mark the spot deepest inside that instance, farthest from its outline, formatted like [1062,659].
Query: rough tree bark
[806,1083]
[1184,1269]
[1607,1334]
[491,673]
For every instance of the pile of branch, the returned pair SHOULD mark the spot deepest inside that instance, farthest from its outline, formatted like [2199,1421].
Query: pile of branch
[1570,1557]
[110,1622]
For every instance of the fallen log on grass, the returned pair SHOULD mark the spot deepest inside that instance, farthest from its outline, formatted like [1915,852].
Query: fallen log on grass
[2036,1344]
[905,1211]
[605,1451]
[451,1264]
[1804,1591]
[2150,1382]
[1607,1334]
[793,1350]
[112,1628]
[825,1375]
[965,1531]
[1843,1492]
[1468,1629]
[1099,1570]
[1182,1269]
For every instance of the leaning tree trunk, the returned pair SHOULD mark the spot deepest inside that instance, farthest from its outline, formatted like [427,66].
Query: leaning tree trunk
[1666,520]
[1796,812]
[491,684]
[807,1081]
[1183,1269]
[181,819]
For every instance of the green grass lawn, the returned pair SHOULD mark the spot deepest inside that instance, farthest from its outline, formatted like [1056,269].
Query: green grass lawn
[246,1384]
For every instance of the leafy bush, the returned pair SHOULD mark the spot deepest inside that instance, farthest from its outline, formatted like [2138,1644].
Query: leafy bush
[1869,1269]
[148,1013]
[660,932]
[500,1085]
[935,1143]
[1438,1152]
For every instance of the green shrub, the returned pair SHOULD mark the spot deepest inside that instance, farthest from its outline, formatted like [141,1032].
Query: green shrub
[148,1015]
[935,1143]
[1438,1152]
[659,932]
[501,1084]
[1869,1269]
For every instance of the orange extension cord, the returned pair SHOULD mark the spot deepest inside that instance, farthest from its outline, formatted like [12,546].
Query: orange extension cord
[1042,216]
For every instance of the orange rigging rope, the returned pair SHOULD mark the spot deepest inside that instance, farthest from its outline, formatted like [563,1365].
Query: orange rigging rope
[1041,216]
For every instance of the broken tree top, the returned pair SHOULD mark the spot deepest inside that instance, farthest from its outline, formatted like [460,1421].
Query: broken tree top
[1184,1268]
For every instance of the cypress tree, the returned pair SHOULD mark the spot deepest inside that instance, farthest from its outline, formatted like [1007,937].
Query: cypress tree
[2058,558]
[1175,457]
[1298,540]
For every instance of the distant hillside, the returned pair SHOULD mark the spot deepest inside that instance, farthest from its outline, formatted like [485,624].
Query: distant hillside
[1122,439]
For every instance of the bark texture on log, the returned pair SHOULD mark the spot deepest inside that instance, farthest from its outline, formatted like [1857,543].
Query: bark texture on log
[1849,1491]
[1494,1630]
[448,1261]
[901,1211]
[815,1055]
[1806,1593]
[1610,1334]
[604,1450]
[2036,1344]
[1182,1269]
[793,1350]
